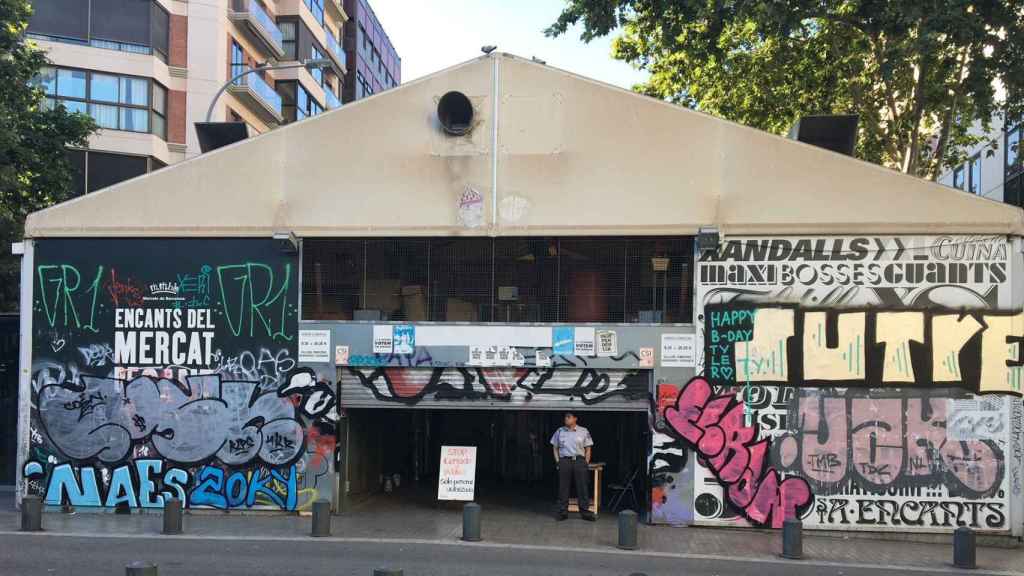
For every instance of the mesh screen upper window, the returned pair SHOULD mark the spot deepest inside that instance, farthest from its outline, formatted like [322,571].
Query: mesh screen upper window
[509,279]
[63,18]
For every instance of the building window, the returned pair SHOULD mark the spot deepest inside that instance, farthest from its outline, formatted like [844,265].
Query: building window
[318,73]
[305,104]
[974,175]
[288,30]
[1013,152]
[958,177]
[644,280]
[237,59]
[317,8]
[93,170]
[115,102]
[136,26]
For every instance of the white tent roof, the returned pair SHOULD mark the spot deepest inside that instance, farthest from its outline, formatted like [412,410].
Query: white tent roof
[574,157]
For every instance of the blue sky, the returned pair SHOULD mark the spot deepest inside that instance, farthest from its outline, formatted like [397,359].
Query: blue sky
[434,34]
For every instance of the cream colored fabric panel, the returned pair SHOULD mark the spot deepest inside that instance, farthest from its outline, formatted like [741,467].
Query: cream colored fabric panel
[383,166]
[775,185]
[379,166]
[234,191]
[578,156]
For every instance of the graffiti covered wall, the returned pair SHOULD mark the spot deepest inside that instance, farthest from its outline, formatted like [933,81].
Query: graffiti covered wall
[168,368]
[881,373]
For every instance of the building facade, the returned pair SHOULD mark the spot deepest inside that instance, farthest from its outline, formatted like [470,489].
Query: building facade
[373,63]
[147,70]
[753,329]
[994,168]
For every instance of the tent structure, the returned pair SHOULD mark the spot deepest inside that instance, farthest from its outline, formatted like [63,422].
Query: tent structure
[549,153]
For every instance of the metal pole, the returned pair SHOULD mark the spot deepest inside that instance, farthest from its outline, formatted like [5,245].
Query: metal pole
[627,530]
[213,103]
[471,522]
[792,539]
[964,551]
[31,513]
[140,569]
[321,518]
[172,516]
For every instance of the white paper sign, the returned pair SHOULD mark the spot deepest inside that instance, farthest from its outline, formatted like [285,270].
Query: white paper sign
[607,343]
[383,340]
[584,342]
[457,474]
[678,350]
[314,345]
[542,359]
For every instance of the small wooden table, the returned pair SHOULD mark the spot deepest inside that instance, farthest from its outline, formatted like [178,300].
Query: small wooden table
[595,494]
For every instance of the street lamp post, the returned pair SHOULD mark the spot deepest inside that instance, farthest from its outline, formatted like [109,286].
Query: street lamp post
[311,64]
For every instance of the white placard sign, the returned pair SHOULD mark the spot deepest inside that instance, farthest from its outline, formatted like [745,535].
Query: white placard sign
[584,342]
[607,343]
[383,340]
[314,345]
[457,475]
[678,350]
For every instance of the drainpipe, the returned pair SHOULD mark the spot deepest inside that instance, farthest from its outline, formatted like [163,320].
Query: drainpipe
[495,97]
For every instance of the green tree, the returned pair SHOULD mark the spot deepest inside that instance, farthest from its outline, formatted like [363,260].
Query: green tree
[34,168]
[919,73]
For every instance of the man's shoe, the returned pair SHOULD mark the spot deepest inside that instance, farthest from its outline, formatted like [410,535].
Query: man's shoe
[588,516]
[562,516]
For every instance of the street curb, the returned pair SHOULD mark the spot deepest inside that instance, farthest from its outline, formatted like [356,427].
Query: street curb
[942,569]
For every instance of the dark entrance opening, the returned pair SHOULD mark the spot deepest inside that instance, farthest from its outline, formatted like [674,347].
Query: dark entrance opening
[8,397]
[392,455]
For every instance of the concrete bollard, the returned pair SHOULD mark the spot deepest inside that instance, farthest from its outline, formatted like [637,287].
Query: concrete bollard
[627,530]
[386,572]
[471,522]
[140,569]
[172,516]
[31,514]
[792,539]
[964,548]
[321,518]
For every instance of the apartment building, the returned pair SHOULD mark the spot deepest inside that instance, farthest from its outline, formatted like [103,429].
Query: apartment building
[147,70]
[994,168]
[373,62]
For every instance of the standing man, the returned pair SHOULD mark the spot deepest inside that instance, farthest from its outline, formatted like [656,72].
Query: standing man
[571,447]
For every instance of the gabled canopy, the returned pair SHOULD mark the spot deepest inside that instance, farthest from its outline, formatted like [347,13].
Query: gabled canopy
[574,157]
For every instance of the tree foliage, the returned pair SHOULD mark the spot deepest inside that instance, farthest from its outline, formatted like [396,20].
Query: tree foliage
[34,168]
[919,73]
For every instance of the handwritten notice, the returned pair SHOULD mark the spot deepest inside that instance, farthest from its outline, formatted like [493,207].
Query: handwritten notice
[607,343]
[646,358]
[457,474]
[724,328]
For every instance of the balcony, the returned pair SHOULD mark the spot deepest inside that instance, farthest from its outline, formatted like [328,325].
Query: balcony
[336,51]
[331,100]
[258,24]
[259,96]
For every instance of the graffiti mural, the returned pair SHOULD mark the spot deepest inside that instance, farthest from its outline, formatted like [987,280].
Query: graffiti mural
[411,386]
[782,344]
[715,427]
[859,358]
[889,458]
[167,368]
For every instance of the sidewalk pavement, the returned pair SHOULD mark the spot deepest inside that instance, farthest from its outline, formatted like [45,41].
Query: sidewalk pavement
[509,527]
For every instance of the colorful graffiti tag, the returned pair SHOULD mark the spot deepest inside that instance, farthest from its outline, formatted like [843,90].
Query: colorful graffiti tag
[714,426]
[858,358]
[413,385]
[167,368]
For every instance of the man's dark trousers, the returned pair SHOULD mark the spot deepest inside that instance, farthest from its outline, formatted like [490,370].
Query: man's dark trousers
[569,470]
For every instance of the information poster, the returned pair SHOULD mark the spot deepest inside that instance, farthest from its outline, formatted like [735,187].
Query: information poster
[457,475]
[678,350]
[314,345]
